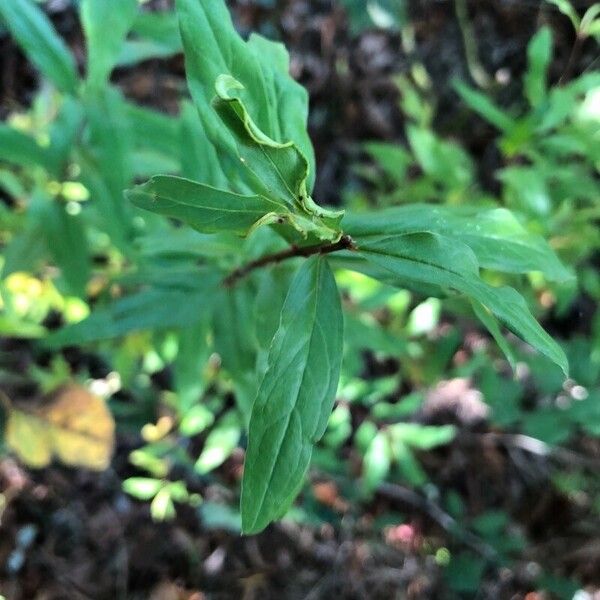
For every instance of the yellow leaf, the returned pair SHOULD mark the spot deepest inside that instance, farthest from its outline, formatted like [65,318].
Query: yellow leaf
[74,426]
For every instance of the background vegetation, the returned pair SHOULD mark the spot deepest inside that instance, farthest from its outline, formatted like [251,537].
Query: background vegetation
[444,471]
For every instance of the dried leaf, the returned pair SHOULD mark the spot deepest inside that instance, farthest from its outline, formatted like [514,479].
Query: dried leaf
[74,425]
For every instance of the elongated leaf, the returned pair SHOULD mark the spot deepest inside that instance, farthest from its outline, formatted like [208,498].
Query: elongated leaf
[431,258]
[493,327]
[153,308]
[496,237]
[108,166]
[220,443]
[192,356]
[63,133]
[153,129]
[567,9]
[481,104]
[213,47]
[200,160]
[290,98]
[106,24]
[377,461]
[34,32]
[204,208]
[67,242]
[539,54]
[22,150]
[296,396]
[156,36]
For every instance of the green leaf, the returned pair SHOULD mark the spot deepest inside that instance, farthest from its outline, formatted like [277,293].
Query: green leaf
[289,98]
[193,354]
[106,24]
[422,437]
[107,167]
[36,35]
[491,324]
[200,160]
[539,54]
[377,461]
[152,129]
[67,242]
[156,36]
[482,105]
[296,395]
[220,443]
[278,170]
[213,47]
[27,248]
[590,22]
[204,208]
[22,150]
[196,420]
[446,163]
[162,507]
[566,8]
[142,488]
[433,259]
[153,309]
[495,236]
[63,134]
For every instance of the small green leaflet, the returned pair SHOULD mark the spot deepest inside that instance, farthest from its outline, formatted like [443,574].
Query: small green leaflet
[481,104]
[204,208]
[296,395]
[539,54]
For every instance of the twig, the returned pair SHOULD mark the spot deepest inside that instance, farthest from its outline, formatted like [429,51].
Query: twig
[345,243]
[534,446]
[573,57]
[476,69]
[442,518]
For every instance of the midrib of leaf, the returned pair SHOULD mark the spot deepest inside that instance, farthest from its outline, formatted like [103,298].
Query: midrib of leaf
[279,173]
[275,146]
[409,258]
[294,408]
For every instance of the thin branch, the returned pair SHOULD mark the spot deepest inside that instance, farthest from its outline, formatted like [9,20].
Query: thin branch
[573,58]
[435,512]
[345,243]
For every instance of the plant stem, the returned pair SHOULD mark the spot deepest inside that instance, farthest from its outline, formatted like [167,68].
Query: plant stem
[573,57]
[344,243]
[476,69]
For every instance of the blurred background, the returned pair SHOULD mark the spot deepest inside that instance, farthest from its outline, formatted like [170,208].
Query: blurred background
[444,471]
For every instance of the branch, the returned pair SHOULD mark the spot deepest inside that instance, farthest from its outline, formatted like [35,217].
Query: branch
[345,243]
